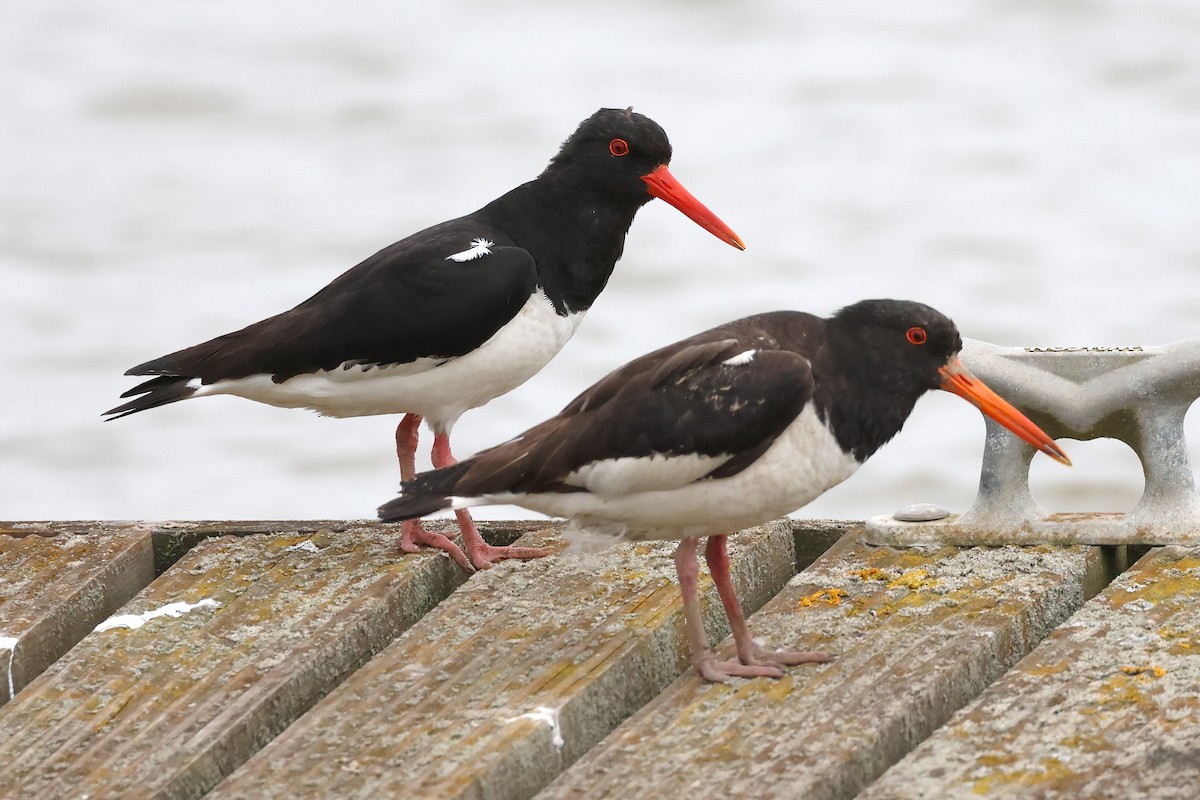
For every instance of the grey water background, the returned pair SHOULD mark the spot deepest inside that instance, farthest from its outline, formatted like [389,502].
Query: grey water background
[173,171]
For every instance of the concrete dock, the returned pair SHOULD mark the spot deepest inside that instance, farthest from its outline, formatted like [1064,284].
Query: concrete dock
[315,660]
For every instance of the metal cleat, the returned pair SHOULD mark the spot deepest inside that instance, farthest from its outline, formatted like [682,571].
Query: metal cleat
[1139,395]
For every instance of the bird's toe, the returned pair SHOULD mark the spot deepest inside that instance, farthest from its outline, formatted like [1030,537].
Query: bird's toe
[487,555]
[790,658]
[413,536]
[717,671]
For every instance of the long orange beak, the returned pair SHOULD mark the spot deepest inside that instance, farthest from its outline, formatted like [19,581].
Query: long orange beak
[958,379]
[662,184]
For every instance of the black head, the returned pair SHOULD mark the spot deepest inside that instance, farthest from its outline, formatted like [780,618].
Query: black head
[902,343]
[622,157]
[882,355]
[887,354]
[610,151]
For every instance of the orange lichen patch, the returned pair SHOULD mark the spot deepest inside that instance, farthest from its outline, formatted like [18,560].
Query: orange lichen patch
[915,580]
[1157,672]
[1180,641]
[1051,770]
[1121,691]
[1187,563]
[893,558]
[832,597]
[1087,744]
[995,759]
[968,601]
[1046,670]
[1175,581]
[871,574]
[774,691]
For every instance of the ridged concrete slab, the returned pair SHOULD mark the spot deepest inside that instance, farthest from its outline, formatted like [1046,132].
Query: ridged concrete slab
[1107,707]
[508,681]
[57,583]
[236,640]
[918,633]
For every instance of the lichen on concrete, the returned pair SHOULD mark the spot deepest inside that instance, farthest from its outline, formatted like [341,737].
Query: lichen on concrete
[916,632]
[448,710]
[1110,702]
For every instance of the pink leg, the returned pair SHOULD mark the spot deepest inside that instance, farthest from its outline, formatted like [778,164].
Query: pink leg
[749,653]
[412,532]
[481,554]
[687,566]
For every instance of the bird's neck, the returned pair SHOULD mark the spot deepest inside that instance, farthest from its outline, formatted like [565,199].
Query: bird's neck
[575,237]
[871,406]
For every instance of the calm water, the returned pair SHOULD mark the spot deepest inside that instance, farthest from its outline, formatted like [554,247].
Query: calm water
[172,172]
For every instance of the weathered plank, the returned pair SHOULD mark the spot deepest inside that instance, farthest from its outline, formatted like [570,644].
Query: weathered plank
[165,709]
[1107,707]
[918,633]
[509,680]
[56,584]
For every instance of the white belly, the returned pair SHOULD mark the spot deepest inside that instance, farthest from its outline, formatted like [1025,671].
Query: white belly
[436,389]
[802,464]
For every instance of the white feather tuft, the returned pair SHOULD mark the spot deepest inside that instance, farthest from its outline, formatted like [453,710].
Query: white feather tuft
[546,716]
[584,538]
[740,359]
[478,249]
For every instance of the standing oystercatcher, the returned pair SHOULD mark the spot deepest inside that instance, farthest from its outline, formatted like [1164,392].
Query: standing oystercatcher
[451,317]
[731,428]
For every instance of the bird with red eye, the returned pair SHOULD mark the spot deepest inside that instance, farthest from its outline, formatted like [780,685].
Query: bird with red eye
[451,317]
[726,429]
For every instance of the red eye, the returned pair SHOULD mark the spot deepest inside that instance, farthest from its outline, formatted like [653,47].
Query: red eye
[916,335]
[618,147]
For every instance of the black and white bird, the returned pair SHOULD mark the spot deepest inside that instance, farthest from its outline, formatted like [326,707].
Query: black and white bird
[451,317]
[728,429]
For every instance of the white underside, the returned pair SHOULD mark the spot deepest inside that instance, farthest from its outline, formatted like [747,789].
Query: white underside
[802,464]
[619,476]
[438,389]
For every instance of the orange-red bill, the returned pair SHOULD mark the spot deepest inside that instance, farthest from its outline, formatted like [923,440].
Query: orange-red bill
[958,379]
[662,184]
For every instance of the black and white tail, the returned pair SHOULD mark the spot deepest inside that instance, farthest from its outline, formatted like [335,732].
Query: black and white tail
[154,393]
[426,493]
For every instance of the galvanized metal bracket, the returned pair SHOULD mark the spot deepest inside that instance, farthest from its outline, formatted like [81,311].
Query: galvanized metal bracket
[1139,395]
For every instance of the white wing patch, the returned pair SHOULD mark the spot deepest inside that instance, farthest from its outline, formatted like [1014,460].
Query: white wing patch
[740,358]
[619,476]
[479,248]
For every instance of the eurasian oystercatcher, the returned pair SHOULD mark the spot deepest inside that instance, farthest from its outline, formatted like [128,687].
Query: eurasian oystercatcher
[730,428]
[453,316]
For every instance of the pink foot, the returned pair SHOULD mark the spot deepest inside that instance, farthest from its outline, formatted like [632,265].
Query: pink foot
[481,554]
[712,669]
[752,660]
[413,535]
[764,664]
[790,658]
[484,555]
[412,532]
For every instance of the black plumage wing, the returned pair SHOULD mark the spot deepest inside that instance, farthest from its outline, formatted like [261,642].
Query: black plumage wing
[703,398]
[406,302]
